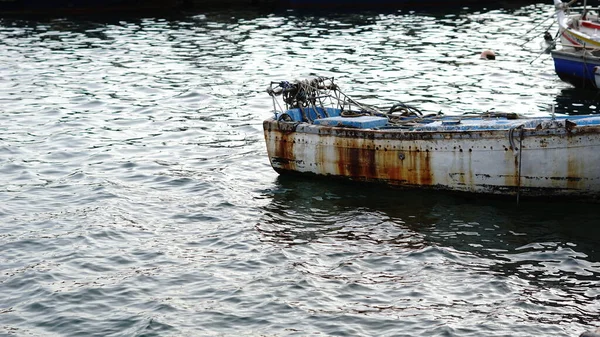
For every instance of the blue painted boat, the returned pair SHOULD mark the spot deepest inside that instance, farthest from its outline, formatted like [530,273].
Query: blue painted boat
[577,59]
[317,130]
[577,67]
[50,7]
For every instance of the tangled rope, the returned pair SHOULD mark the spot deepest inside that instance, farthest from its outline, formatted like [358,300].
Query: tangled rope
[321,92]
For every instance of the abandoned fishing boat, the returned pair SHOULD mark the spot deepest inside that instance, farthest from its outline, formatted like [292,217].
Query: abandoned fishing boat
[577,57]
[317,129]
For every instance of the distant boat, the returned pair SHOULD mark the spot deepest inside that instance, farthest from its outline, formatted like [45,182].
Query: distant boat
[51,7]
[577,58]
[577,67]
[354,4]
[350,4]
[318,130]
[580,30]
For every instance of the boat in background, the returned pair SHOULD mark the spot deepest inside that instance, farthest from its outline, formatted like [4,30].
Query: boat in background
[578,55]
[577,67]
[318,130]
[391,4]
[353,4]
[84,7]
[579,30]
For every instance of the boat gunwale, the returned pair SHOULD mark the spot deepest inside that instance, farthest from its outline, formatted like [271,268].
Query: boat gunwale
[439,133]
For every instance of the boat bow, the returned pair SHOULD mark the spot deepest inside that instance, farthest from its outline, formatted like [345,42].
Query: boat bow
[577,30]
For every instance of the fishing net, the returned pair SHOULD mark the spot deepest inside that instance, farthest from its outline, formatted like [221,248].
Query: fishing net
[323,92]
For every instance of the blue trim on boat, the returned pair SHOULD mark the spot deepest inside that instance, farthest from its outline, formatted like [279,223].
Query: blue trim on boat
[308,114]
[333,117]
[359,122]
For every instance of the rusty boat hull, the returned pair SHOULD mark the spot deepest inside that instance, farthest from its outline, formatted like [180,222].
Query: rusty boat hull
[549,161]
[500,154]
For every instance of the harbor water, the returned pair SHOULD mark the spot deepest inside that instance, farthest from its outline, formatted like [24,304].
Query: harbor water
[137,199]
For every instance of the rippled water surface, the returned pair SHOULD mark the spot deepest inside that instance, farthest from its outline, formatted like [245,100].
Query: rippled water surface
[136,197]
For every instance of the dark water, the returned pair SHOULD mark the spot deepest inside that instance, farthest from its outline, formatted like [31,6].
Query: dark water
[137,199]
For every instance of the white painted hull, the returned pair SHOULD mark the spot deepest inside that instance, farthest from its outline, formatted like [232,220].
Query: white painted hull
[575,32]
[552,161]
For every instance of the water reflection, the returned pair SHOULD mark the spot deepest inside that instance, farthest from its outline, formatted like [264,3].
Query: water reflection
[574,101]
[481,225]
[541,256]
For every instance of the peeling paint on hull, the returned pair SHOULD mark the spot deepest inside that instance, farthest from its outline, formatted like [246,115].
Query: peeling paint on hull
[554,161]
